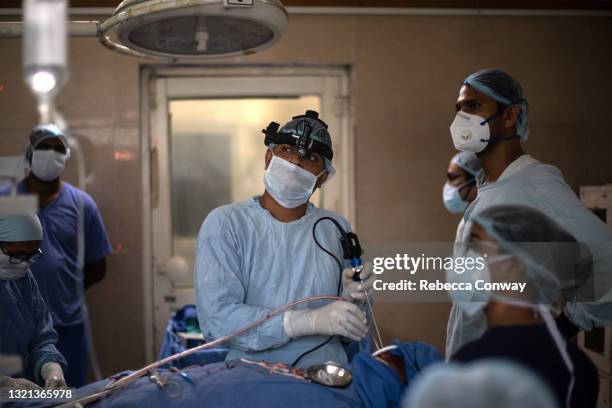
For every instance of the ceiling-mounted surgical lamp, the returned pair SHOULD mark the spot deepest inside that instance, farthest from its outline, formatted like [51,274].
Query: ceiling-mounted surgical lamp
[193,29]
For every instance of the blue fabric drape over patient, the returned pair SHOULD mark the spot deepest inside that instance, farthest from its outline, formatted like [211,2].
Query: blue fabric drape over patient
[184,320]
[239,384]
[378,385]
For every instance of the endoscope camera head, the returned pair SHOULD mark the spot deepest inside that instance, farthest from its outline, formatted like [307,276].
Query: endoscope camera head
[352,251]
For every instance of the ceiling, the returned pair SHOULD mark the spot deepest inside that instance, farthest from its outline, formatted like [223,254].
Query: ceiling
[485,4]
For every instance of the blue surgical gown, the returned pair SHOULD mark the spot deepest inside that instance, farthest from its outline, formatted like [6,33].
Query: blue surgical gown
[248,263]
[529,182]
[26,328]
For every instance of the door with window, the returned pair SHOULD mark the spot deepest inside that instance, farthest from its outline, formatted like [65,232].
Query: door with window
[206,150]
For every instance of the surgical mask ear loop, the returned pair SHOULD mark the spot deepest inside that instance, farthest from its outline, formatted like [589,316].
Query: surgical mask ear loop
[468,184]
[319,175]
[558,339]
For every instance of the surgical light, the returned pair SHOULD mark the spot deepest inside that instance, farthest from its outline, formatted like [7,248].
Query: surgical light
[43,82]
[193,29]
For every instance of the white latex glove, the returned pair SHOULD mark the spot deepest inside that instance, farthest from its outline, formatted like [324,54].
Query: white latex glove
[17,383]
[53,375]
[337,318]
[354,290]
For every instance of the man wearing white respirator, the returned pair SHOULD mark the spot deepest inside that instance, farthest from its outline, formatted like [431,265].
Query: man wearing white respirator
[257,255]
[492,121]
[59,277]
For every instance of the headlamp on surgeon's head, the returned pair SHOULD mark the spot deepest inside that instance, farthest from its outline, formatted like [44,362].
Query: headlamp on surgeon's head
[306,132]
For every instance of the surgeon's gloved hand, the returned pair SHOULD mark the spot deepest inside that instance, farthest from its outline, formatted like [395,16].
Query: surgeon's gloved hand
[17,383]
[353,290]
[337,318]
[53,375]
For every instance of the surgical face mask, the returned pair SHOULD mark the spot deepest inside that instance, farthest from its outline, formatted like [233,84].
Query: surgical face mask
[9,271]
[470,301]
[451,196]
[48,165]
[290,185]
[474,300]
[472,308]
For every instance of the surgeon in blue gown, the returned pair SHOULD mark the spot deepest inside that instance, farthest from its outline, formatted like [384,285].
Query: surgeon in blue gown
[26,328]
[257,255]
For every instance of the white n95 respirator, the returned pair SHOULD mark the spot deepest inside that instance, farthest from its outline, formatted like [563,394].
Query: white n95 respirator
[470,133]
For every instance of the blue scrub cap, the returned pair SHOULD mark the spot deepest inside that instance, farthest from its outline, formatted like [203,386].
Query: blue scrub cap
[42,132]
[501,87]
[17,228]
[468,161]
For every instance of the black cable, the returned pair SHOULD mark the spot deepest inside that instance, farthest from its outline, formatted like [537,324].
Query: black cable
[343,232]
[314,235]
[312,350]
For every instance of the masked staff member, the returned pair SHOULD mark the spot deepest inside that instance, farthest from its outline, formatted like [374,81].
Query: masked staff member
[26,329]
[61,280]
[255,256]
[522,245]
[460,187]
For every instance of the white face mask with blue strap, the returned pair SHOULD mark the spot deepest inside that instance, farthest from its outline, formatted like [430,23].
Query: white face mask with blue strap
[471,133]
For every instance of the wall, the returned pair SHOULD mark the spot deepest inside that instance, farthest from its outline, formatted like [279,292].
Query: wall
[407,72]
